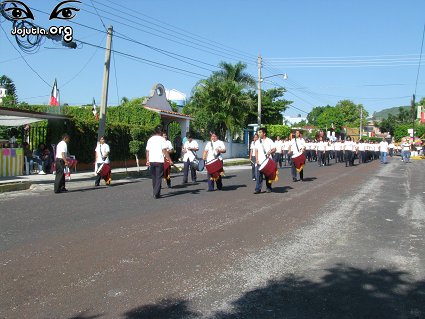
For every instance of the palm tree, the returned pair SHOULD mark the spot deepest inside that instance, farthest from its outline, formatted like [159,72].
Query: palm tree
[235,73]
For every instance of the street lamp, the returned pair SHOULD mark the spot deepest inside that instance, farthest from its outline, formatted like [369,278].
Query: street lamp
[260,79]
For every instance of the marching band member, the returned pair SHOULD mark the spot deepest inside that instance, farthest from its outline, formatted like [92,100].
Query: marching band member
[213,150]
[348,151]
[190,148]
[252,157]
[167,166]
[60,163]
[156,150]
[307,150]
[263,150]
[285,148]
[361,150]
[321,150]
[313,148]
[102,157]
[297,147]
[278,154]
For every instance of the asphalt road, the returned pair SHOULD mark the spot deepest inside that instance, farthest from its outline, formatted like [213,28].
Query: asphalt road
[345,243]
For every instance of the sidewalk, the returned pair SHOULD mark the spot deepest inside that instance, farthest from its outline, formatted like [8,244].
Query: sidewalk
[16,183]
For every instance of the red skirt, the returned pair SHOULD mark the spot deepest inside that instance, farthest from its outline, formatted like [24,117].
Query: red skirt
[167,170]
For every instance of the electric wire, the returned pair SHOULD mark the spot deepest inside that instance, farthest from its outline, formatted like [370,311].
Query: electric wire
[141,59]
[157,35]
[23,57]
[85,64]
[420,59]
[224,46]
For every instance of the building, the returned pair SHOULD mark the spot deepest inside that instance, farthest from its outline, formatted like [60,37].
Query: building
[3,93]
[290,120]
[177,97]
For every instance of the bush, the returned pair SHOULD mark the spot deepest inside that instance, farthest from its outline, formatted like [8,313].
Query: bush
[274,130]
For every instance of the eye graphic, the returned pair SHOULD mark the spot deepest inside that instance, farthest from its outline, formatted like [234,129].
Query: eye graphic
[65,13]
[17,13]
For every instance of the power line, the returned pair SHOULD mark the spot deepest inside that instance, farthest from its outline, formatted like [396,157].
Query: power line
[157,35]
[225,46]
[141,59]
[420,58]
[23,57]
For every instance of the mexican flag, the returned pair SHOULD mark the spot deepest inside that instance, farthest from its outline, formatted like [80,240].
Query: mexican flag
[94,109]
[333,127]
[54,96]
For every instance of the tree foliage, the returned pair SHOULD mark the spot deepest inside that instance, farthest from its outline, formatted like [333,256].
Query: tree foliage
[330,116]
[274,130]
[272,106]
[235,73]
[10,86]
[219,105]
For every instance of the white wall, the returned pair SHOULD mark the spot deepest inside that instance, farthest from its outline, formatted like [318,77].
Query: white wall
[232,150]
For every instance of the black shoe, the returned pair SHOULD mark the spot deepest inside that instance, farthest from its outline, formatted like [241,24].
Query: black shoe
[96,184]
[64,190]
[156,196]
[210,190]
[294,179]
[257,192]
[184,183]
[268,191]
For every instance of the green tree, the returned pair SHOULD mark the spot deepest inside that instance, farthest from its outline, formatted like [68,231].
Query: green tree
[272,106]
[219,105]
[351,112]
[10,86]
[328,117]
[315,113]
[235,73]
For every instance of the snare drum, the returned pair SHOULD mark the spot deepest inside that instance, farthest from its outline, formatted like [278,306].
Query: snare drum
[299,161]
[215,169]
[269,169]
[198,164]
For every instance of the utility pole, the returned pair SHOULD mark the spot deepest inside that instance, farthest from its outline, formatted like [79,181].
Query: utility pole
[104,100]
[259,91]
[414,115]
[361,122]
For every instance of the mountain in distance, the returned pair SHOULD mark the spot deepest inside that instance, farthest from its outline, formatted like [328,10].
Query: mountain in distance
[379,116]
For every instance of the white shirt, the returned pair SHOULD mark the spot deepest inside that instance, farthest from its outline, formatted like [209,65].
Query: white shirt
[361,147]
[321,146]
[338,146]
[285,145]
[190,153]
[376,147]
[307,146]
[62,147]
[155,146]
[406,146]
[101,150]
[391,146]
[252,148]
[313,146]
[169,145]
[279,146]
[348,146]
[268,146]
[300,142]
[211,150]
[383,146]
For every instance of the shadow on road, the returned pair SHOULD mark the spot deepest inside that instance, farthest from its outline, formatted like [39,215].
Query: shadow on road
[281,189]
[344,292]
[309,179]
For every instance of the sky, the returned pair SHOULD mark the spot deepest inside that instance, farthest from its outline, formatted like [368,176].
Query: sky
[366,51]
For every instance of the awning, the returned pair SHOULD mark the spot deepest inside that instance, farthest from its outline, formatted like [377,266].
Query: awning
[17,120]
[16,117]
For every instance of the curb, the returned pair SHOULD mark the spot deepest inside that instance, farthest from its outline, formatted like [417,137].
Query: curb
[21,186]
